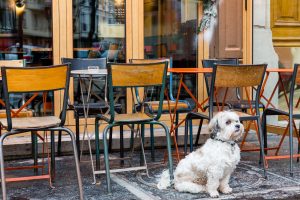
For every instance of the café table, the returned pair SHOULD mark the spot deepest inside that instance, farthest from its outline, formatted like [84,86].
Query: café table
[89,74]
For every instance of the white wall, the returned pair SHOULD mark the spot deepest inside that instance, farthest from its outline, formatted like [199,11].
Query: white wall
[263,50]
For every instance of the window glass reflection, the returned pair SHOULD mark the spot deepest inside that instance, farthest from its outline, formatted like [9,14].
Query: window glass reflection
[170,30]
[26,33]
[99,29]
[99,32]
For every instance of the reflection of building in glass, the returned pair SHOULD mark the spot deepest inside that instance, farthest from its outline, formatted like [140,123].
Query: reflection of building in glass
[99,24]
[26,31]
[36,22]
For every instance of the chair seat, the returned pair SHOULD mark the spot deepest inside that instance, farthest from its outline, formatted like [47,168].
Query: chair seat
[32,122]
[275,111]
[128,118]
[244,104]
[95,108]
[181,105]
[205,115]
[22,113]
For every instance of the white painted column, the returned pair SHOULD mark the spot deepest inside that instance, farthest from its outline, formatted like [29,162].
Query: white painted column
[263,50]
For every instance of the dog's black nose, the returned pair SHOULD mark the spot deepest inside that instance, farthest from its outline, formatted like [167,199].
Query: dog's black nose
[237,126]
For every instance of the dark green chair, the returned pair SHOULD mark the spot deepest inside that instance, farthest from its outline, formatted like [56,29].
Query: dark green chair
[151,103]
[292,113]
[131,76]
[36,79]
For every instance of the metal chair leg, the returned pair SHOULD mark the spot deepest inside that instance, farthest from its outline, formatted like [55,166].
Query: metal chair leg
[121,145]
[77,134]
[262,152]
[3,183]
[52,139]
[59,144]
[97,144]
[142,161]
[199,132]
[186,132]
[169,150]
[76,161]
[106,159]
[176,123]
[152,142]
[191,135]
[264,129]
[34,150]
[110,140]
[291,144]
[132,137]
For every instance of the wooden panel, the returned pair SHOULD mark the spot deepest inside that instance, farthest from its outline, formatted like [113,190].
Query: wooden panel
[230,29]
[285,22]
[247,31]
[62,42]
[36,79]
[137,75]
[239,76]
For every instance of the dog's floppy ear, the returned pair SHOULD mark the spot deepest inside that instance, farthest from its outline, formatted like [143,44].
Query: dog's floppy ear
[213,127]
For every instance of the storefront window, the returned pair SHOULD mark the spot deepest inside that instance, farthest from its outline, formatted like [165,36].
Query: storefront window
[99,32]
[99,29]
[26,33]
[170,30]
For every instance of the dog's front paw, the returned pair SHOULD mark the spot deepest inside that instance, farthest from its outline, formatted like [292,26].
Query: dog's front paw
[226,190]
[214,194]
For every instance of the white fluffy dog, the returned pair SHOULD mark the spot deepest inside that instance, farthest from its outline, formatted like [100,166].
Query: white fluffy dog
[209,167]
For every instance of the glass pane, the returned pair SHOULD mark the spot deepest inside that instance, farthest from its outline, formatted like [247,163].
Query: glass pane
[99,29]
[99,32]
[170,30]
[26,33]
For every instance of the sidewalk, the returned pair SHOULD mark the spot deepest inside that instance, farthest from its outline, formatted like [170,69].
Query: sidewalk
[247,181]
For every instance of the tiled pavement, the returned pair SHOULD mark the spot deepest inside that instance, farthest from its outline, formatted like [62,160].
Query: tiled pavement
[247,181]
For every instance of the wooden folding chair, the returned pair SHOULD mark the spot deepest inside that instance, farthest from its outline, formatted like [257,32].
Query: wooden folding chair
[35,79]
[132,76]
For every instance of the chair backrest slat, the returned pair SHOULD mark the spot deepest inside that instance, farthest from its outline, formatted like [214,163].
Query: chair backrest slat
[155,60]
[137,75]
[35,79]
[239,76]
[152,60]
[210,63]
[235,76]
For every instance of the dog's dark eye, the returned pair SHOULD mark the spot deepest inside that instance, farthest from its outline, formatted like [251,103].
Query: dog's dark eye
[228,122]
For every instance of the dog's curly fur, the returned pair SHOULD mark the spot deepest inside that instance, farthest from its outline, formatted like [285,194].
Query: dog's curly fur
[209,167]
